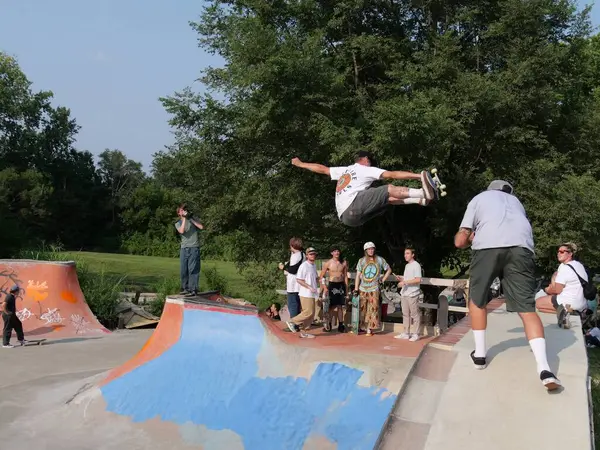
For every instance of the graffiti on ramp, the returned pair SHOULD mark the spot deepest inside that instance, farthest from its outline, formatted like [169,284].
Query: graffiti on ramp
[50,302]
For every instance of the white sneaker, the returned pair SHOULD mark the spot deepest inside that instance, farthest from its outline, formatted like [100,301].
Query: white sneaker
[8,346]
[291,326]
[414,337]
[402,336]
[307,336]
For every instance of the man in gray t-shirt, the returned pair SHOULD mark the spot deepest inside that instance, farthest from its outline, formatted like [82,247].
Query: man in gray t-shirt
[189,254]
[496,225]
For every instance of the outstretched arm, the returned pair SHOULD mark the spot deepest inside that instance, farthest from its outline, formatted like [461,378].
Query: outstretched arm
[317,168]
[400,175]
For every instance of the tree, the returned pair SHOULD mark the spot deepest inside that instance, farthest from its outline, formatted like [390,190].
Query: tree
[120,175]
[479,92]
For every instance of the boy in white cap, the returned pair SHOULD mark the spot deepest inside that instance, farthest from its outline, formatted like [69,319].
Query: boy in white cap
[8,307]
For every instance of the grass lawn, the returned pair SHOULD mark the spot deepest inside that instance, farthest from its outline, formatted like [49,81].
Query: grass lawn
[144,272]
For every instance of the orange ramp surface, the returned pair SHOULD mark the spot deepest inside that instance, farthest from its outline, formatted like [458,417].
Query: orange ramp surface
[50,303]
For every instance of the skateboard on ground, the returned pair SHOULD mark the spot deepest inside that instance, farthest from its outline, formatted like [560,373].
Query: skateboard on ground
[437,183]
[34,342]
[355,321]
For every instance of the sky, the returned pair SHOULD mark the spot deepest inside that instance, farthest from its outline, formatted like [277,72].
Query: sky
[109,61]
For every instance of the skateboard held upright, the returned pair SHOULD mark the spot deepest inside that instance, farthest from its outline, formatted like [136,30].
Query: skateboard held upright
[326,318]
[355,321]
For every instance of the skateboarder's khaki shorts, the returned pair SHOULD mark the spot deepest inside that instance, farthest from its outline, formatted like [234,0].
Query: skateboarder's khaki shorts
[368,204]
[516,268]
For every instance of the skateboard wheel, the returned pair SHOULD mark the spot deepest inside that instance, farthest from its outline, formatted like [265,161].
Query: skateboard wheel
[443,186]
[444,194]
[433,171]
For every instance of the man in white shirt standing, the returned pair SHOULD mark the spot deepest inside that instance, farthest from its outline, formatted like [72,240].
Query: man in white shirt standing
[309,293]
[565,292]
[356,202]
[496,225]
[410,295]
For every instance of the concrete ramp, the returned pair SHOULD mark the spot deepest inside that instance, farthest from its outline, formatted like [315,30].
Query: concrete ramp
[216,375]
[224,379]
[449,405]
[50,303]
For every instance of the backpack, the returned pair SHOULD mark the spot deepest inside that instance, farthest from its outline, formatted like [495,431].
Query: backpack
[589,289]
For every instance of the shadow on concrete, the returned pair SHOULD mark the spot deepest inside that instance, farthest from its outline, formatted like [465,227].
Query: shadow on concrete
[557,340]
[69,340]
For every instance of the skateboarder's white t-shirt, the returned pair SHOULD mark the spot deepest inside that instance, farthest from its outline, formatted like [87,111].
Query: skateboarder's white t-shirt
[307,272]
[411,271]
[352,180]
[572,293]
[498,220]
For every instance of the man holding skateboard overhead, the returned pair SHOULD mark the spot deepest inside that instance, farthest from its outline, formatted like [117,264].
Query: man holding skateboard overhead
[357,203]
[496,225]
[8,306]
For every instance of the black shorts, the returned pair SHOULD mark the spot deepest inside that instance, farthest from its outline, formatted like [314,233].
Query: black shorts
[337,293]
[515,266]
[367,205]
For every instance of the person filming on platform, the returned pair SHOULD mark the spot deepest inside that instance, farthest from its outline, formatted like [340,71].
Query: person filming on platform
[189,256]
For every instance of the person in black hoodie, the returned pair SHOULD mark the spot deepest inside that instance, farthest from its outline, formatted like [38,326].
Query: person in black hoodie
[291,269]
[11,321]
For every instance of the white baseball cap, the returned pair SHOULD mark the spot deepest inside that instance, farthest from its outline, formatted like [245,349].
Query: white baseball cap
[501,185]
[368,245]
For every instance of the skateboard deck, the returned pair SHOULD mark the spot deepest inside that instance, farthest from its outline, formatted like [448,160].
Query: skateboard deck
[34,342]
[355,321]
[437,183]
[326,319]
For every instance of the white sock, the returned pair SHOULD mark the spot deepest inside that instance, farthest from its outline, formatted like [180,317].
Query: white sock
[412,201]
[538,347]
[416,193]
[480,350]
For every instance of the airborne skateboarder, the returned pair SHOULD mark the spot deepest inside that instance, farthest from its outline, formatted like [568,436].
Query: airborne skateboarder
[356,202]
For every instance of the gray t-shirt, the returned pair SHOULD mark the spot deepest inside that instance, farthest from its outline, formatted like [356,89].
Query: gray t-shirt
[498,220]
[189,237]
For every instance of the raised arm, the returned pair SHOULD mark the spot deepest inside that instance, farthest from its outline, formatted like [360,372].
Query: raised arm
[313,167]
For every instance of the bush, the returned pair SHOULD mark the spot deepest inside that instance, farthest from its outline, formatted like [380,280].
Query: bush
[166,287]
[101,291]
[264,279]
[212,280]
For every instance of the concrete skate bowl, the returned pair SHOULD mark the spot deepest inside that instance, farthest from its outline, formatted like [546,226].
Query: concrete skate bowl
[50,303]
[218,376]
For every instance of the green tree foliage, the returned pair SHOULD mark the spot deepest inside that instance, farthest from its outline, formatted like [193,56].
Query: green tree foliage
[499,89]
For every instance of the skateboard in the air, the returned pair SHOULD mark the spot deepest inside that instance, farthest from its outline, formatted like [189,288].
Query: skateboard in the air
[33,342]
[437,183]
[355,320]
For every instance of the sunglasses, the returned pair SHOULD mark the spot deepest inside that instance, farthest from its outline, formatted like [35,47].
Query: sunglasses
[563,251]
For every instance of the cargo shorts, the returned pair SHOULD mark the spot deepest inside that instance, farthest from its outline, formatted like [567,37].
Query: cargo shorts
[515,266]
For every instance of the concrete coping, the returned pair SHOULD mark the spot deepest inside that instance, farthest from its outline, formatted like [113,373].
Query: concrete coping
[36,261]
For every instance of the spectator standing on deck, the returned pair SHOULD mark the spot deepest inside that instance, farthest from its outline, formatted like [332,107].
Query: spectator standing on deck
[309,292]
[411,295]
[368,280]
[290,269]
[189,255]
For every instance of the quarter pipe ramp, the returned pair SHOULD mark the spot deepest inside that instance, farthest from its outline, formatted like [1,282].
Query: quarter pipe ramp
[50,303]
